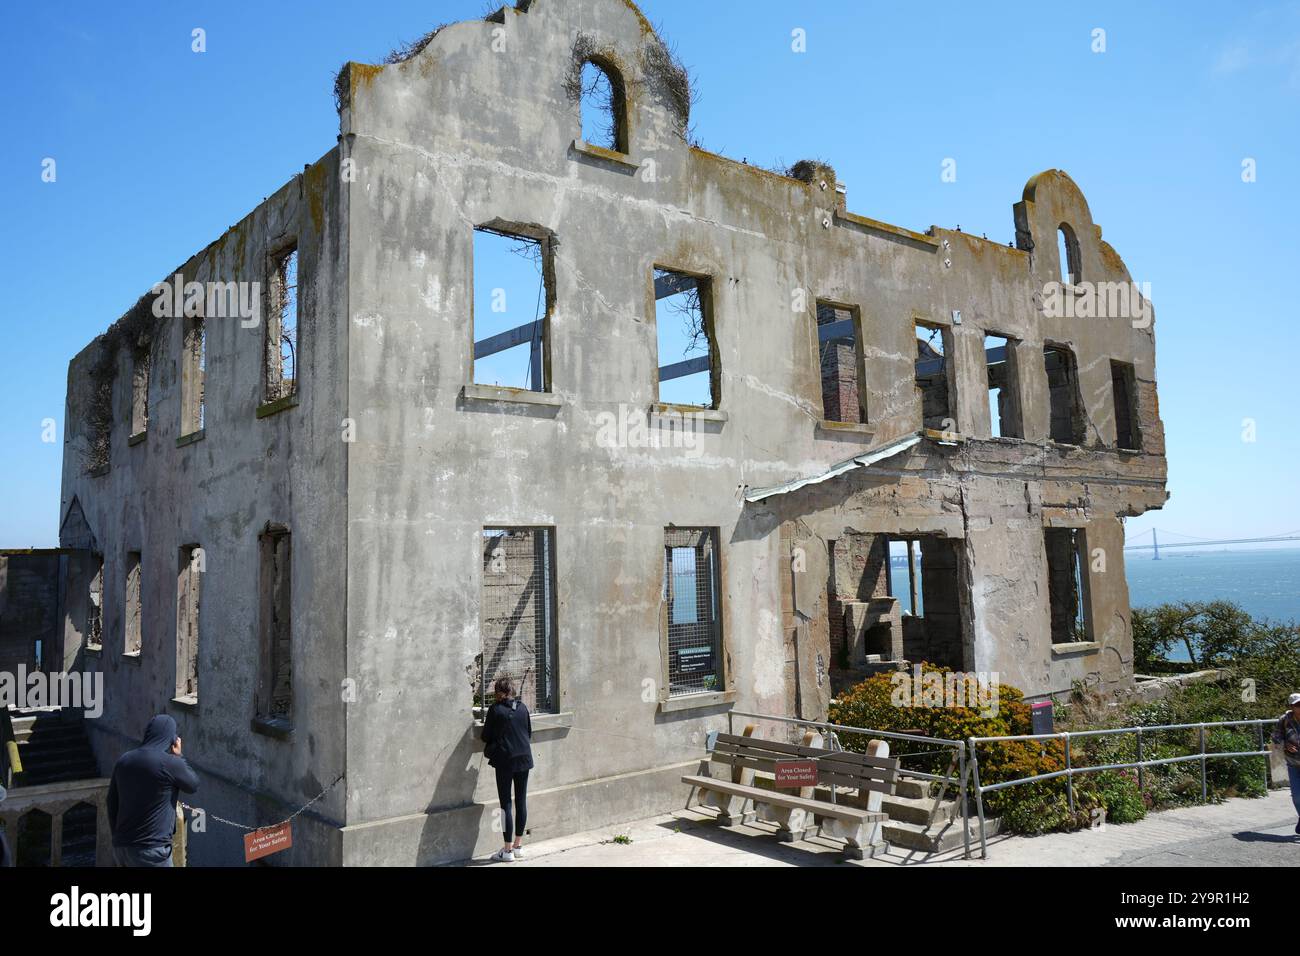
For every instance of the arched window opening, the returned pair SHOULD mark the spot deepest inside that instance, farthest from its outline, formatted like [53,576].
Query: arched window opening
[603,107]
[1067,249]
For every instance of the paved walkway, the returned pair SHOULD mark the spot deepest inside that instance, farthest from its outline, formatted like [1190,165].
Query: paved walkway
[1236,833]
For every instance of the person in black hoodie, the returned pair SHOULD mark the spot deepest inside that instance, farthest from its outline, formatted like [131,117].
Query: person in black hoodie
[507,730]
[142,796]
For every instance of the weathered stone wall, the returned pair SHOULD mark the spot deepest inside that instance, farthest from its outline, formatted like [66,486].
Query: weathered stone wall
[477,128]
[219,491]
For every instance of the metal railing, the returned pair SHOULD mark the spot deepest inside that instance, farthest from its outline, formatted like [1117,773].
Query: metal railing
[1140,765]
[956,763]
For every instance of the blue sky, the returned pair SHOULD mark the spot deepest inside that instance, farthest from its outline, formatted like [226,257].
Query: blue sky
[160,149]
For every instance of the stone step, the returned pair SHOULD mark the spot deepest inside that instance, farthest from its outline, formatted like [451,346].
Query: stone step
[944,837]
[916,809]
[911,789]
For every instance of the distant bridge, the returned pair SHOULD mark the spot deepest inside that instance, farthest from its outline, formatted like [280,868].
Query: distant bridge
[1195,542]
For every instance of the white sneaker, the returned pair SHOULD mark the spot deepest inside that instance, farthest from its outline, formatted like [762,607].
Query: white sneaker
[518,853]
[503,856]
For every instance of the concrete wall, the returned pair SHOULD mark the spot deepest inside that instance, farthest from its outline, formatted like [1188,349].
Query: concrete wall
[219,491]
[477,128]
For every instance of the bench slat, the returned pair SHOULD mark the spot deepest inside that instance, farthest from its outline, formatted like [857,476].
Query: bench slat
[776,798]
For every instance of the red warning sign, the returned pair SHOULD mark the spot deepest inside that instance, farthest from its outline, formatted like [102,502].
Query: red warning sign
[796,773]
[266,841]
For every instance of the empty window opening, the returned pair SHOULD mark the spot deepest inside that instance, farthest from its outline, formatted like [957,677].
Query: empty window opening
[905,575]
[518,617]
[280,378]
[194,362]
[925,578]
[275,674]
[140,390]
[1004,387]
[188,579]
[1067,585]
[688,371]
[603,107]
[1123,381]
[1067,251]
[692,619]
[1063,391]
[840,347]
[932,379]
[133,607]
[95,607]
[512,298]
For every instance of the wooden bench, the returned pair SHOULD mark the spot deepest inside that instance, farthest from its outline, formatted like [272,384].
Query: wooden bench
[854,817]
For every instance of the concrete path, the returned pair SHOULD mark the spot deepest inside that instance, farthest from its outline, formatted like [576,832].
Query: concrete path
[1236,833]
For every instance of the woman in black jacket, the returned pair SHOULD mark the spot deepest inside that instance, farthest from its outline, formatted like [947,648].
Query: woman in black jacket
[507,730]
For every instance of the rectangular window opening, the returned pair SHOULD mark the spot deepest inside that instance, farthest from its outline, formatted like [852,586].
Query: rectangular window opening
[95,607]
[518,617]
[692,620]
[512,299]
[275,680]
[188,578]
[840,346]
[1004,386]
[1123,382]
[925,578]
[1067,425]
[905,575]
[1067,585]
[688,369]
[133,637]
[141,358]
[280,379]
[932,378]
[193,375]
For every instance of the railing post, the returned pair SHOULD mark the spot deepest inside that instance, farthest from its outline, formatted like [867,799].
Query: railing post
[979,798]
[1268,764]
[1141,776]
[965,809]
[1069,776]
[1204,794]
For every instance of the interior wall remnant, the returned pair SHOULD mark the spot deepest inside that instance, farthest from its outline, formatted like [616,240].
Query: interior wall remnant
[858,573]
[1067,425]
[941,579]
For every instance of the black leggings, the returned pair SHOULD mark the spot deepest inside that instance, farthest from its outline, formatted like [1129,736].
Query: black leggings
[505,777]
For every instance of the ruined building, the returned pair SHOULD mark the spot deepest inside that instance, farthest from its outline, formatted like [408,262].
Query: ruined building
[317,538]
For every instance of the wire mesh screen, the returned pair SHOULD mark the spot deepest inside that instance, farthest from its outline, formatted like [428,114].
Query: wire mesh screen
[518,616]
[693,622]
